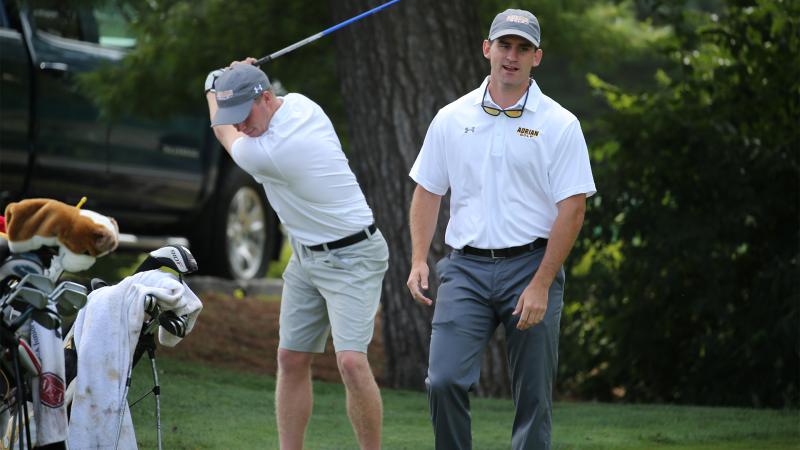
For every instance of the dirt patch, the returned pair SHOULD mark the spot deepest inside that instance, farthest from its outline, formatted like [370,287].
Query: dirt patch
[242,334]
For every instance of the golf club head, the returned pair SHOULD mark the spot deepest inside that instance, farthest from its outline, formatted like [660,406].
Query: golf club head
[28,296]
[175,257]
[151,305]
[37,281]
[47,318]
[16,266]
[69,297]
[97,283]
[173,323]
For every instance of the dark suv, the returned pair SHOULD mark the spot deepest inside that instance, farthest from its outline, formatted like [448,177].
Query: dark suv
[158,179]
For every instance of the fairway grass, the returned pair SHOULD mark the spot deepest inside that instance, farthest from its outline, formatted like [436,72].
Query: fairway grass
[209,408]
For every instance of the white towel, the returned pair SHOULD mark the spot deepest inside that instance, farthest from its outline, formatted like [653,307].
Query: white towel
[106,333]
[48,389]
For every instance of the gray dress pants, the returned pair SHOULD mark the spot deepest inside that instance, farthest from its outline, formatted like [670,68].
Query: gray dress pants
[475,295]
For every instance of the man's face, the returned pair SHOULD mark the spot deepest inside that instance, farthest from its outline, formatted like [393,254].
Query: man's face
[257,121]
[511,59]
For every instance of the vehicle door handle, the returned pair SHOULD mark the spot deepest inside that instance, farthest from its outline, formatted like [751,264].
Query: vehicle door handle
[54,66]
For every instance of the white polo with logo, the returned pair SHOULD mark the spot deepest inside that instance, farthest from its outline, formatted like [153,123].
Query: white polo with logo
[309,184]
[305,174]
[505,175]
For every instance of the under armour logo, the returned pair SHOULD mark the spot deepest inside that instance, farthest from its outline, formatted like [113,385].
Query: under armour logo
[257,89]
[469,130]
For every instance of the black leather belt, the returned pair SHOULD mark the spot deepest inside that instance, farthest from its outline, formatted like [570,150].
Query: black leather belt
[345,241]
[509,252]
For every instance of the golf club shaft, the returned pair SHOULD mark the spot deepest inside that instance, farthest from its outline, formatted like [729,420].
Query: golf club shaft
[330,30]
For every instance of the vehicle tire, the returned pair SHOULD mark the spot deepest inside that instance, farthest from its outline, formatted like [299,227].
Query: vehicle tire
[239,239]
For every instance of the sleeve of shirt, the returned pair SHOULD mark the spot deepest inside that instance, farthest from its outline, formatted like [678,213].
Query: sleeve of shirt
[571,172]
[253,158]
[430,168]
[240,152]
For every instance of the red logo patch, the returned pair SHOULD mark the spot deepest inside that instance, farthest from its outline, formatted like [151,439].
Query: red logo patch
[51,390]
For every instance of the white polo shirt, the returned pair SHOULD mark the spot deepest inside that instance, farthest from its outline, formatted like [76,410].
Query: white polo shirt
[305,174]
[505,175]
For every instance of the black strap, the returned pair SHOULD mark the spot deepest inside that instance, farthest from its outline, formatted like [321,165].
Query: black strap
[345,241]
[509,252]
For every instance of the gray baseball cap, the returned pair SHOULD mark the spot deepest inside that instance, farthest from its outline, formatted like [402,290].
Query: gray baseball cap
[517,22]
[236,89]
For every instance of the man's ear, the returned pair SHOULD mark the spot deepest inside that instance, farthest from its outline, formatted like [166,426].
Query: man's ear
[537,57]
[486,45]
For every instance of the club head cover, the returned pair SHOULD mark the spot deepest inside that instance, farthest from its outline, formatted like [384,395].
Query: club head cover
[28,359]
[175,257]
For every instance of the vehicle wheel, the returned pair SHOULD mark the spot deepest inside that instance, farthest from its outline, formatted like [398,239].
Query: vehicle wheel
[241,242]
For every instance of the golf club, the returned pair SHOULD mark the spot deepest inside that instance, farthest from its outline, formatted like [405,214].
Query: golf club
[69,297]
[326,32]
[37,281]
[175,257]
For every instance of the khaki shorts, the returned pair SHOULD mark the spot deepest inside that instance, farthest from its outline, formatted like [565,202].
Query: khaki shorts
[334,291]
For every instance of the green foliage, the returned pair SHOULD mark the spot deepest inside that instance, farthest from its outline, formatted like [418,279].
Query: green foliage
[276,268]
[699,192]
[211,408]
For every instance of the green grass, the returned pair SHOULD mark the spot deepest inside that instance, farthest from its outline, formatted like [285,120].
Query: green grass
[205,408]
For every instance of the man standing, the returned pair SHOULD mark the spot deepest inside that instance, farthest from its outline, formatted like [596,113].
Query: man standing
[517,167]
[333,280]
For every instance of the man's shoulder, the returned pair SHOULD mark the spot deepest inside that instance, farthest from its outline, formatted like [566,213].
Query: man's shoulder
[294,98]
[555,110]
[299,103]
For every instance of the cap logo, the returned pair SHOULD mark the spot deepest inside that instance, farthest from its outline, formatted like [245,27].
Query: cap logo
[257,88]
[517,19]
[224,95]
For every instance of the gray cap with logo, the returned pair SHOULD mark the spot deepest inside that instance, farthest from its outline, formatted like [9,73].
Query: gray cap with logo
[517,22]
[237,88]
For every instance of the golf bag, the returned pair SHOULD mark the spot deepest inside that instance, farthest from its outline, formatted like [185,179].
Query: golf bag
[32,304]
[36,363]
[119,324]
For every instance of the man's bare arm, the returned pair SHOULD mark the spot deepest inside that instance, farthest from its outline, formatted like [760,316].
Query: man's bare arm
[532,304]
[226,134]
[423,216]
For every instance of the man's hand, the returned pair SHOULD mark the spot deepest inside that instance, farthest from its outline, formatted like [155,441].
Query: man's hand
[418,282]
[531,306]
[248,60]
[211,78]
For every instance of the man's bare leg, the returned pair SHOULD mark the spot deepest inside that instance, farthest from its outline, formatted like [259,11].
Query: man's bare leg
[364,406]
[293,397]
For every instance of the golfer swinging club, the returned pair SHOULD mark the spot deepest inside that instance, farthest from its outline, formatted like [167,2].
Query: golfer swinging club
[332,283]
[517,168]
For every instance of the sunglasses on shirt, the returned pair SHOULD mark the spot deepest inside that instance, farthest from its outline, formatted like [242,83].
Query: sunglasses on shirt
[513,113]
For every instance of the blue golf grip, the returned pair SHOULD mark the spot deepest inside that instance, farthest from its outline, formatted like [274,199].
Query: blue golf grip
[326,32]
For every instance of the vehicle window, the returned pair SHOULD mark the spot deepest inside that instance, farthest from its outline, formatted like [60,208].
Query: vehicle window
[113,25]
[3,19]
[107,24]
[9,15]
[57,18]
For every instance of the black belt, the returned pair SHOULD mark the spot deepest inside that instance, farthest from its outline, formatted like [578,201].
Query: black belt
[345,241]
[509,252]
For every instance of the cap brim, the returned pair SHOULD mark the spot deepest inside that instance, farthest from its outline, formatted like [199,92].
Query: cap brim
[509,32]
[232,115]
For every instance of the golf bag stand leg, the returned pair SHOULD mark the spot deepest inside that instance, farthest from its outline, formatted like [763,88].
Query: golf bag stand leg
[151,353]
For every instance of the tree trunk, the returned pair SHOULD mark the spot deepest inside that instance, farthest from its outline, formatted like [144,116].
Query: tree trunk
[396,70]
